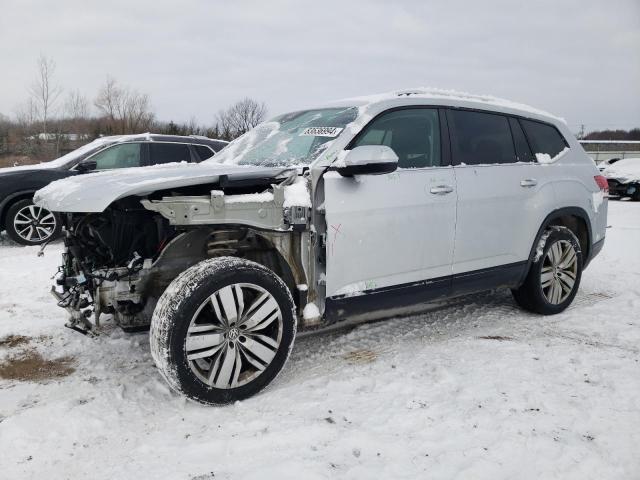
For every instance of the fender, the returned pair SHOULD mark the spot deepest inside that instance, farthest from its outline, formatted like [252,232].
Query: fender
[575,211]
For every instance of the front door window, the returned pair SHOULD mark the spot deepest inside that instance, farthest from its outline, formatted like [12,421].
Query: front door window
[413,134]
[124,155]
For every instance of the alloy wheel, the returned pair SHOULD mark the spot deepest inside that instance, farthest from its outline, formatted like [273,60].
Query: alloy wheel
[34,224]
[234,335]
[559,272]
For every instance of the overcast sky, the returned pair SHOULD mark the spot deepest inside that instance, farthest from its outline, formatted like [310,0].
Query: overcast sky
[579,59]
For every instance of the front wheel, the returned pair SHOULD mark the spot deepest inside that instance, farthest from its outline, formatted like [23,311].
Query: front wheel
[223,330]
[29,224]
[554,275]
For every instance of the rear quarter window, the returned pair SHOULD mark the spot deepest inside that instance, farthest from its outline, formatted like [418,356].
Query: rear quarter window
[204,152]
[169,153]
[217,146]
[544,138]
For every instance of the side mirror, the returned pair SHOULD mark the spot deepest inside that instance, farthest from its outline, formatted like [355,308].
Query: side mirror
[367,159]
[87,166]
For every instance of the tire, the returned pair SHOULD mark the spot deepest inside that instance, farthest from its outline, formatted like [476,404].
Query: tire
[28,224]
[205,352]
[557,248]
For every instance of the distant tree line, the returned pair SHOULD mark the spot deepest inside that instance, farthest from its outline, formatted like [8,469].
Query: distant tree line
[633,134]
[53,120]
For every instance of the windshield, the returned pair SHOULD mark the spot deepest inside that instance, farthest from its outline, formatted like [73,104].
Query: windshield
[291,139]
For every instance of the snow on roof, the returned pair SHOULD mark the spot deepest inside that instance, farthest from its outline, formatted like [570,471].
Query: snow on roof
[136,136]
[444,94]
[158,137]
[202,137]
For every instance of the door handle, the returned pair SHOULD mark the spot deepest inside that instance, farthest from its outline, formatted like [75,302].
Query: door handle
[528,182]
[441,189]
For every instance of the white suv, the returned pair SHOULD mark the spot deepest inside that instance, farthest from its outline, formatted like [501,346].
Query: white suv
[360,209]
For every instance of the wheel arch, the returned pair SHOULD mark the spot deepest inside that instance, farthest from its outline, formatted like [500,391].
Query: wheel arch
[275,259]
[9,200]
[575,219]
[270,249]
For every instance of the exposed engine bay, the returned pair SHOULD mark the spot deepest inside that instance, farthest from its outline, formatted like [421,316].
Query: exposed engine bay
[120,261]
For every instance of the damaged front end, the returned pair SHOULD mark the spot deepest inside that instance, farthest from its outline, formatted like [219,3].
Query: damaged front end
[105,257]
[121,260]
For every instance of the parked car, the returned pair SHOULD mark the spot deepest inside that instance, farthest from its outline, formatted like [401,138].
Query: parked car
[356,210]
[624,178]
[29,224]
[607,163]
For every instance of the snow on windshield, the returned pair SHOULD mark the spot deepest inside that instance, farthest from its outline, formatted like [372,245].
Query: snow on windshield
[291,139]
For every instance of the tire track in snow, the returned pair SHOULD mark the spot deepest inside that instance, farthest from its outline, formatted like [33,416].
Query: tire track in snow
[484,314]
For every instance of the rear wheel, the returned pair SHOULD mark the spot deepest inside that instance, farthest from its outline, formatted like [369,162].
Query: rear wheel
[223,330]
[29,224]
[554,275]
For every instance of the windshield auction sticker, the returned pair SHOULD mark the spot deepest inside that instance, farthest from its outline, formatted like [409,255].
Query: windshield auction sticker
[321,132]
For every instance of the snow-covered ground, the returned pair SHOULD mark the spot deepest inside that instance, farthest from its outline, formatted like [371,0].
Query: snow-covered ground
[474,390]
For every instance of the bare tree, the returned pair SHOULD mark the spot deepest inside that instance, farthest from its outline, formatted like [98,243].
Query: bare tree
[76,109]
[127,110]
[27,117]
[5,129]
[192,127]
[109,98]
[240,117]
[138,113]
[43,90]
[27,114]
[76,106]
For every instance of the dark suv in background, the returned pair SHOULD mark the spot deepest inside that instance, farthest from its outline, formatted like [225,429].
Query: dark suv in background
[29,224]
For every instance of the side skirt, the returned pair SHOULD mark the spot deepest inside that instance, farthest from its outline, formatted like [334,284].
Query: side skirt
[416,297]
[510,275]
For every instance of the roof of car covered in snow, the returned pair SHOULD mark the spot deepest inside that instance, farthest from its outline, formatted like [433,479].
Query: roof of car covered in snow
[436,96]
[155,137]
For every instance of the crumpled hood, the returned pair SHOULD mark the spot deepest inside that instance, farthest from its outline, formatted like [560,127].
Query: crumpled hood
[94,192]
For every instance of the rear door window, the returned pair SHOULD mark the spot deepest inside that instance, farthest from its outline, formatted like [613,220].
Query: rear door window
[544,138]
[412,133]
[168,152]
[479,138]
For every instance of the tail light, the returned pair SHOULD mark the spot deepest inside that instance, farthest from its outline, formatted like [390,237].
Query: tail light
[602,183]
